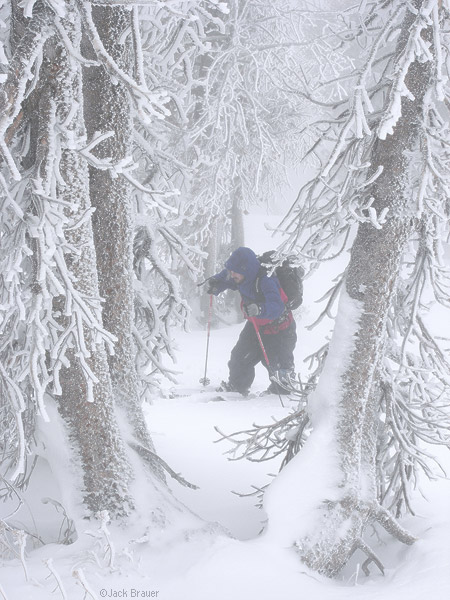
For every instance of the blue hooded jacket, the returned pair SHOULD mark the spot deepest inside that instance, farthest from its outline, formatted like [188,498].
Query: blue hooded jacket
[243,261]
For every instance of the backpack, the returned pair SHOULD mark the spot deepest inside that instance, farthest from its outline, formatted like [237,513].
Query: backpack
[289,276]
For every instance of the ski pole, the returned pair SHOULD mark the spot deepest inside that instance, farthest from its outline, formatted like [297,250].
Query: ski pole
[258,335]
[204,380]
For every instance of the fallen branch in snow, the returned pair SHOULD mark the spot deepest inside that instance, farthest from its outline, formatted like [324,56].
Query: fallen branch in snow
[355,515]
[372,557]
[392,526]
[258,492]
[380,515]
[143,450]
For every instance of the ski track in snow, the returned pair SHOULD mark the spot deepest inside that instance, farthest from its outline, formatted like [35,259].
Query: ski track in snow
[183,432]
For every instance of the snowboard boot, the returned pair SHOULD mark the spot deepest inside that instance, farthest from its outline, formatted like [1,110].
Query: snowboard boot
[274,388]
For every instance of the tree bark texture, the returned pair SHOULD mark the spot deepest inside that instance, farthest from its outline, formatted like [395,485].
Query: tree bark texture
[108,108]
[370,282]
[91,421]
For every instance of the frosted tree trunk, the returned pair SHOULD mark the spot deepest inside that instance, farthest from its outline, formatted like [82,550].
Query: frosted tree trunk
[347,393]
[107,108]
[237,219]
[237,236]
[88,414]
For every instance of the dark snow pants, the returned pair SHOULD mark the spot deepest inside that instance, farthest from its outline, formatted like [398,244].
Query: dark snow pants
[247,354]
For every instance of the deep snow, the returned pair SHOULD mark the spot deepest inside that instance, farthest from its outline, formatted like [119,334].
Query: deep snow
[261,568]
[222,555]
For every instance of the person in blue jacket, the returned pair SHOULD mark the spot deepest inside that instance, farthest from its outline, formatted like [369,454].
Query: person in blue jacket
[263,302]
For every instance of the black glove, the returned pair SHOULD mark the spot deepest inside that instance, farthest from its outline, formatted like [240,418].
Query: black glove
[212,286]
[251,310]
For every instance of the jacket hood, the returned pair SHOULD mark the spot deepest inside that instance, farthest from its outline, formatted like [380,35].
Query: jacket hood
[243,261]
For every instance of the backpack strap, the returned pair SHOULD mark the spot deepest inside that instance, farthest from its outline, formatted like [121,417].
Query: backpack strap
[260,296]
[261,273]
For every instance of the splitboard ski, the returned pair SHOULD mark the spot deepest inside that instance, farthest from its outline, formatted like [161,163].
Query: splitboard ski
[219,396]
[211,395]
[226,396]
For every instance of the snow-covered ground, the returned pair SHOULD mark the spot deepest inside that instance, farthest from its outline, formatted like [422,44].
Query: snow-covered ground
[222,555]
[251,567]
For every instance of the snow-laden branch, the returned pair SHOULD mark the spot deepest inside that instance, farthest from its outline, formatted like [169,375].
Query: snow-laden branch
[20,73]
[158,299]
[361,101]
[71,51]
[265,442]
[148,105]
[59,584]
[415,47]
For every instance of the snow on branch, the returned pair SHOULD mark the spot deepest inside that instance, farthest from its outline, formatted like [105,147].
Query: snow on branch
[50,313]
[414,380]
[415,47]
[159,302]
[265,442]
[59,584]
[71,51]
[149,105]
[361,100]
[20,72]
[176,476]
[412,384]
[232,141]
[173,6]
[80,579]
[337,195]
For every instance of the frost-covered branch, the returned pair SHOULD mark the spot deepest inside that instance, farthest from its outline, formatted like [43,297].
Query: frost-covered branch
[233,139]
[59,584]
[380,187]
[158,299]
[149,105]
[27,54]
[80,579]
[265,442]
